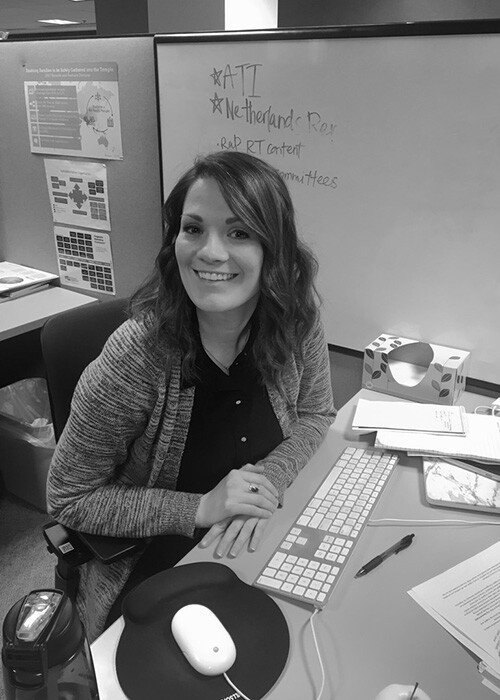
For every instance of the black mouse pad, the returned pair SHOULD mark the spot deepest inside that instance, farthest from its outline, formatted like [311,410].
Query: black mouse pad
[149,663]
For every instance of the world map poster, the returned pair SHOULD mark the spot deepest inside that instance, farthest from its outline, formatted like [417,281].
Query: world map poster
[74,109]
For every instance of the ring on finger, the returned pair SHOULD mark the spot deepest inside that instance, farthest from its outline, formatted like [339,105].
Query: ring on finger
[253,488]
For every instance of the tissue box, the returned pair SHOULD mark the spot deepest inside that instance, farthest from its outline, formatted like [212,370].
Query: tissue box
[411,369]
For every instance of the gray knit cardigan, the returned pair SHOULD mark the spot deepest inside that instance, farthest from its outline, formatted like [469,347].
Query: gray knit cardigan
[115,467]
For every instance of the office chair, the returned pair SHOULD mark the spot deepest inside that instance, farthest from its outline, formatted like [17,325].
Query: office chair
[70,341]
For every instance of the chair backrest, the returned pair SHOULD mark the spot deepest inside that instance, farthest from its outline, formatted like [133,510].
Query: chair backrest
[70,341]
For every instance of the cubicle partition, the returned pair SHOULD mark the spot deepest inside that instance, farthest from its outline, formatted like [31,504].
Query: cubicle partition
[133,207]
[389,140]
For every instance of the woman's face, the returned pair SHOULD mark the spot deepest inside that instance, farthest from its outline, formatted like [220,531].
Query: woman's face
[219,258]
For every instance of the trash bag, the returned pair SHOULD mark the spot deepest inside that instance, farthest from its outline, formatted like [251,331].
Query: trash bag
[25,412]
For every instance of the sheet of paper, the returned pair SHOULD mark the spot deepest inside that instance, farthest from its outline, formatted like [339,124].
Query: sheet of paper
[73,109]
[403,415]
[78,192]
[84,259]
[490,679]
[482,441]
[490,686]
[465,600]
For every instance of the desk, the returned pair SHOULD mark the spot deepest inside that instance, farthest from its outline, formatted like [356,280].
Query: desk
[371,633]
[31,311]
[20,323]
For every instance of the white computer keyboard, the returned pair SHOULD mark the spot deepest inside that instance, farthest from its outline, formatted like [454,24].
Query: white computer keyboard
[309,560]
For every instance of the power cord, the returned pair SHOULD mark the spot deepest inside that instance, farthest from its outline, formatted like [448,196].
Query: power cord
[395,521]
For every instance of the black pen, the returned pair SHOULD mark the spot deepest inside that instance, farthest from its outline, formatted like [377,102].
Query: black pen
[413,692]
[398,547]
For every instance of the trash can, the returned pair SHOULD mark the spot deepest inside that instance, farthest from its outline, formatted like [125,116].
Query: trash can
[26,440]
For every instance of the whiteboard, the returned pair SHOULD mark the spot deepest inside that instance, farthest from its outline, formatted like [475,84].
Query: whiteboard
[391,149]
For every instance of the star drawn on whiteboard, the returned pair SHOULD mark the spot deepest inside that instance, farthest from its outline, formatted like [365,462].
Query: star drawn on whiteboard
[216,102]
[215,75]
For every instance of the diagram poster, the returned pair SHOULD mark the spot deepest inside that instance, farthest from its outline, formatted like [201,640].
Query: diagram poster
[73,109]
[78,192]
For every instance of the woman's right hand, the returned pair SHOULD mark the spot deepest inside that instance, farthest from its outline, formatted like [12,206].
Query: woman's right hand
[233,496]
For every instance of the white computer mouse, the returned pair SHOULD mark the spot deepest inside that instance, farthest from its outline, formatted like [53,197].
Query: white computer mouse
[203,639]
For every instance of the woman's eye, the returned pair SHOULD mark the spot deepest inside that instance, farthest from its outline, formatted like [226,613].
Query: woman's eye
[191,228]
[239,234]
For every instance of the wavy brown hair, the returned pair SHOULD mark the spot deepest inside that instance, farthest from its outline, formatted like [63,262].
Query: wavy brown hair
[288,301]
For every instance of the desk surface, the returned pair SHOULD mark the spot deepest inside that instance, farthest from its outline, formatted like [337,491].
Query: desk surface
[371,633]
[31,311]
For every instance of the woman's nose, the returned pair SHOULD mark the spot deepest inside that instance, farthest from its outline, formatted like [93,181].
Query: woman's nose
[214,248]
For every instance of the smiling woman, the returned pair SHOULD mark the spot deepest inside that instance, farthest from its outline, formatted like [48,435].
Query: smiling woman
[219,260]
[206,403]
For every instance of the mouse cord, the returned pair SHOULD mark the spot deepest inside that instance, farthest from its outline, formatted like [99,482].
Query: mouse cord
[311,620]
[234,687]
[318,652]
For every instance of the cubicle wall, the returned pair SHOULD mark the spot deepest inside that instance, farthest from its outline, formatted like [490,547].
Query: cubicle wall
[391,148]
[133,180]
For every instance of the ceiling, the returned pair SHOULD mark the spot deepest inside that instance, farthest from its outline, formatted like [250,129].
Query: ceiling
[20,16]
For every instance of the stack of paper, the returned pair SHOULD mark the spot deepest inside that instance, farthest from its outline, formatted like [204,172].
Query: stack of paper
[465,600]
[16,280]
[407,416]
[481,443]
[430,429]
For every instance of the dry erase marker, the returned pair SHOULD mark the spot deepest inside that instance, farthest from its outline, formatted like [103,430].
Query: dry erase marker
[373,563]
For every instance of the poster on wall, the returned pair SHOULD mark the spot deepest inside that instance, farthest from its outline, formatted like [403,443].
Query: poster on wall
[73,109]
[84,259]
[78,192]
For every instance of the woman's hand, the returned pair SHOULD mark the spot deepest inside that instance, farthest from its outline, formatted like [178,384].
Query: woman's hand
[242,492]
[236,532]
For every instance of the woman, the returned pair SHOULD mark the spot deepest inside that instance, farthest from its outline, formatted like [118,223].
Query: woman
[206,403]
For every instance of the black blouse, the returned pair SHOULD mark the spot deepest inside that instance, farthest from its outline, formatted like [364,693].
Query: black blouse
[232,422]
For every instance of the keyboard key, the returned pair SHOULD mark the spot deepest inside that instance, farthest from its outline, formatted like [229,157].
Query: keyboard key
[270,582]
[315,520]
